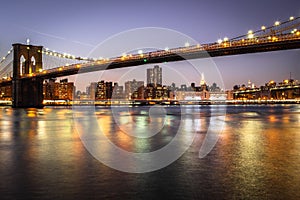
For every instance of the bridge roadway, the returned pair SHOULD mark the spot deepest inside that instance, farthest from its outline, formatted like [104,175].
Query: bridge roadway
[179,54]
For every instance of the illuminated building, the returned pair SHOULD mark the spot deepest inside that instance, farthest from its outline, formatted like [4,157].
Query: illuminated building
[117,92]
[132,87]
[104,90]
[154,76]
[5,93]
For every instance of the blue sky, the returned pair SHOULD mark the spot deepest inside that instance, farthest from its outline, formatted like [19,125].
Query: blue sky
[77,27]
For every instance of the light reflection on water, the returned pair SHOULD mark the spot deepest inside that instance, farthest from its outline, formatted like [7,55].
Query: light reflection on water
[257,155]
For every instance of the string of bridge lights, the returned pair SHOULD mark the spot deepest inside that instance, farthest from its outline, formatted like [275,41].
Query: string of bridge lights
[4,57]
[53,53]
[251,34]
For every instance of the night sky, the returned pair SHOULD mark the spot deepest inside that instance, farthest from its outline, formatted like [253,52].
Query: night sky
[77,27]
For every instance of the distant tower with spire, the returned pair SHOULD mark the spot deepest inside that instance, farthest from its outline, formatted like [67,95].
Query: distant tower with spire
[203,82]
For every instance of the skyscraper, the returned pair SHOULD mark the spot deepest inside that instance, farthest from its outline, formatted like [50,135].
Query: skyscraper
[154,76]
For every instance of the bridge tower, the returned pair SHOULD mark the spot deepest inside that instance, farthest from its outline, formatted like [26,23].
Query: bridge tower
[27,92]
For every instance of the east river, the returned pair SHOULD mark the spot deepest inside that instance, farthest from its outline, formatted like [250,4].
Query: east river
[255,156]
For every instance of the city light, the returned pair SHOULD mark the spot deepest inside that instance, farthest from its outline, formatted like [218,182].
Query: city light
[263,28]
[220,41]
[292,18]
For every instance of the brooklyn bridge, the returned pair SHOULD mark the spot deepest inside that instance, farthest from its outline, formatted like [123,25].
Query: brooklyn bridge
[26,66]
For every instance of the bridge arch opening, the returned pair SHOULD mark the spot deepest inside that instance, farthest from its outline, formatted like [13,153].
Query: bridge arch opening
[32,65]
[22,64]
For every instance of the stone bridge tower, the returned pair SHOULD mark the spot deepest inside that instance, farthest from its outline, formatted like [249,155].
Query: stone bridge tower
[27,91]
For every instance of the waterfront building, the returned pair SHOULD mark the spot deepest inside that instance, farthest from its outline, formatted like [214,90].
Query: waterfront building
[154,76]
[62,90]
[132,87]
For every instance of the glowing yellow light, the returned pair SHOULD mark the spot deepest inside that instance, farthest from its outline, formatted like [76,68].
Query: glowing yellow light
[263,28]
[250,32]
[250,36]
[277,23]
[298,33]
[166,49]
[220,41]
[78,66]
[269,37]
[60,69]
[40,70]
[187,44]
[292,18]
[3,58]
[226,39]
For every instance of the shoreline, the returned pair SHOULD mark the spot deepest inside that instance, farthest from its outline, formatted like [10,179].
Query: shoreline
[161,102]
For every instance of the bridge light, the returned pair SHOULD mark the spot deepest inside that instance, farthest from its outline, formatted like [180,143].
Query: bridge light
[226,39]
[8,52]
[263,28]
[292,18]
[250,32]
[277,23]
[220,41]
[3,58]
[250,36]
[269,37]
